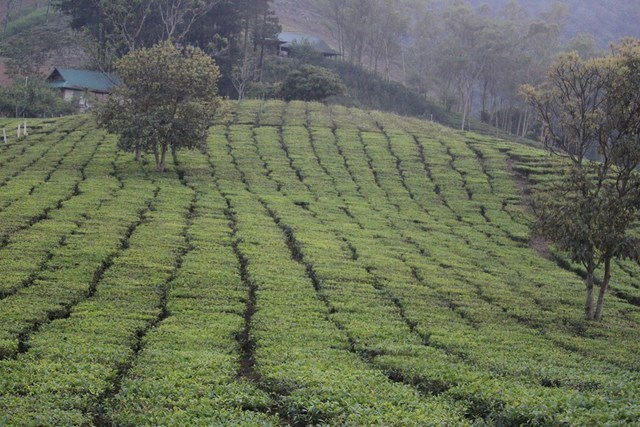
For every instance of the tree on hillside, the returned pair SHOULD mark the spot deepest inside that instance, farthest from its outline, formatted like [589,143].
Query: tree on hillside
[367,29]
[166,100]
[120,26]
[389,25]
[591,106]
[463,53]
[29,50]
[335,12]
[231,31]
[584,44]
[127,21]
[311,83]
[258,24]
[178,16]
[478,58]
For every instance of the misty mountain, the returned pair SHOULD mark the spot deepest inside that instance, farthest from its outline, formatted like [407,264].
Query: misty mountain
[608,21]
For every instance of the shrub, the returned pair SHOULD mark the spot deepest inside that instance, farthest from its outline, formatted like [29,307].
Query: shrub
[32,98]
[311,83]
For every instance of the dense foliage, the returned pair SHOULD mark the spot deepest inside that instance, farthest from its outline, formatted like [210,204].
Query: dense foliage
[229,30]
[311,83]
[31,97]
[368,90]
[166,100]
[315,265]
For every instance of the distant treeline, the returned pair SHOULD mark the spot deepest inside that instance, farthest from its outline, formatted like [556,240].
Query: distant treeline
[473,61]
[607,21]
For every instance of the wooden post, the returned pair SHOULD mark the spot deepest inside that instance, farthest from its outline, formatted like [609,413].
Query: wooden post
[4,135]
[24,129]
[18,130]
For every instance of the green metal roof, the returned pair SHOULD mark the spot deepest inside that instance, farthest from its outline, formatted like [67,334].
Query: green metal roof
[94,81]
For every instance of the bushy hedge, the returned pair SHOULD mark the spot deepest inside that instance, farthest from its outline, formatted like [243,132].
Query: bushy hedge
[32,97]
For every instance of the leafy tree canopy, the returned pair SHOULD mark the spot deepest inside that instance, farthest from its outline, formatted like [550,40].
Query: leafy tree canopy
[311,83]
[167,99]
[593,106]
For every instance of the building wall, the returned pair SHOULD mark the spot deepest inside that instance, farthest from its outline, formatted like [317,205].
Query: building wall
[85,99]
[68,94]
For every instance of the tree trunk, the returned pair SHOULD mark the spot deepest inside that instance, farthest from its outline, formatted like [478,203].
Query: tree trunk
[519,123]
[138,152]
[160,165]
[464,112]
[261,63]
[339,37]
[589,309]
[464,92]
[484,98]
[245,46]
[404,69]
[156,155]
[525,127]
[387,62]
[603,289]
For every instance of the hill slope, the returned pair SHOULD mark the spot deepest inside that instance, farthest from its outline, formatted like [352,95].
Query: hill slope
[315,266]
[607,21]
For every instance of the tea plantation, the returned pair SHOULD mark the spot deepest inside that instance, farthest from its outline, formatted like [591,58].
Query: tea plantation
[315,266]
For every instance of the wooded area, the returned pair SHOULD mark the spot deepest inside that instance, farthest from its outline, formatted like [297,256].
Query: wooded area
[227,30]
[471,60]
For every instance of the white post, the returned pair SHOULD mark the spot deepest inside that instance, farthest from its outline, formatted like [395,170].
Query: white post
[4,135]
[24,130]
[18,130]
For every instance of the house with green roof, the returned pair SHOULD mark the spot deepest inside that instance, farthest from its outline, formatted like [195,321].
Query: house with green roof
[82,85]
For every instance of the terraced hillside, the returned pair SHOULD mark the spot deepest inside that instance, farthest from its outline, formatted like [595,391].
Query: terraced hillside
[316,266]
